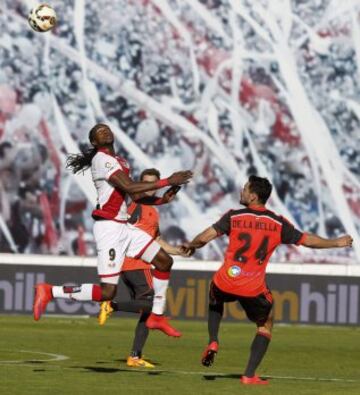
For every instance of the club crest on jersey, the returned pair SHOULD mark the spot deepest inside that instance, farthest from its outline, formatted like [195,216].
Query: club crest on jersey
[108,165]
[234,271]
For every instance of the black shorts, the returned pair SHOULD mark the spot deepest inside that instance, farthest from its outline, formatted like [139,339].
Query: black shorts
[257,308]
[139,284]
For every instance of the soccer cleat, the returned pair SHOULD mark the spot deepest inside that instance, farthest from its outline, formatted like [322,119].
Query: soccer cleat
[161,323]
[42,297]
[208,356]
[136,362]
[256,380]
[105,312]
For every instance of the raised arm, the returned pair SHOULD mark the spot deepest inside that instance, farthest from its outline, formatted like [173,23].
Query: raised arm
[168,196]
[314,241]
[123,182]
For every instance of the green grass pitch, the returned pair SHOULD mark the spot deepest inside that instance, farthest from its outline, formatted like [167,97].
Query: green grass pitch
[300,360]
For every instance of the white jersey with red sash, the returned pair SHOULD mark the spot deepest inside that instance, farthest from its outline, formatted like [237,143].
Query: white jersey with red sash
[111,202]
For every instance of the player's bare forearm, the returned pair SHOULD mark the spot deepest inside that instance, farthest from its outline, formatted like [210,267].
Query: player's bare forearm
[314,241]
[170,249]
[123,182]
[142,198]
[169,196]
[203,238]
[199,241]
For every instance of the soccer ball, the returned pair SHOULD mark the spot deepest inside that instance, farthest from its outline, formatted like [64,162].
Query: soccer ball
[42,18]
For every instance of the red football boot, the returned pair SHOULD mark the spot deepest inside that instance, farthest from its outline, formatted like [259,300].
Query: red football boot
[161,323]
[43,296]
[208,356]
[256,380]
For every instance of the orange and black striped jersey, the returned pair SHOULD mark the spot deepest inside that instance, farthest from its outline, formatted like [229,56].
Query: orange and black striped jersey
[254,233]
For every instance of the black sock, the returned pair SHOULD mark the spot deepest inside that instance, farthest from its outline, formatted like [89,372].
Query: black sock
[257,352]
[141,335]
[136,354]
[215,315]
[133,306]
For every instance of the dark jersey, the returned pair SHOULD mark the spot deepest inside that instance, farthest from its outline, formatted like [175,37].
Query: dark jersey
[254,233]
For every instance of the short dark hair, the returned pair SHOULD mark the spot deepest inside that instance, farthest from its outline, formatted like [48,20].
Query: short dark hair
[150,172]
[261,187]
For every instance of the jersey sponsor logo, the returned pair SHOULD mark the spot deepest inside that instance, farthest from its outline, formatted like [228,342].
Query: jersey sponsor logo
[234,271]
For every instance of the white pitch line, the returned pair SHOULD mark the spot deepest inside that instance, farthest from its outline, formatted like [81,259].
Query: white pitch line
[53,357]
[312,379]
[218,374]
[59,357]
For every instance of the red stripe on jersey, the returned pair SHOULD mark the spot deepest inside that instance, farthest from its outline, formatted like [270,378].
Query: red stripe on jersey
[109,275]
[106,151]
[139,255]
[112,206]
[111,209]
[124,164]
[114,172]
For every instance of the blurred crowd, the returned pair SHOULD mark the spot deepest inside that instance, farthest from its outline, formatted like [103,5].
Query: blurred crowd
[44,211]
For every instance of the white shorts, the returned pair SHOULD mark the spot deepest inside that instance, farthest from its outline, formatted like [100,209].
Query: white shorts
[116,240]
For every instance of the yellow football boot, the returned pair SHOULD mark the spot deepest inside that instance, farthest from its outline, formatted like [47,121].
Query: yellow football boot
[105,312]
[136,362]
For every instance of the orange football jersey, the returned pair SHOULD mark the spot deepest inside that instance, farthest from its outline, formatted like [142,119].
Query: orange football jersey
[254,233]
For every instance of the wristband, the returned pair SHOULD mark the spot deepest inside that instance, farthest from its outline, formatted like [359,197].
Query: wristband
[162,183]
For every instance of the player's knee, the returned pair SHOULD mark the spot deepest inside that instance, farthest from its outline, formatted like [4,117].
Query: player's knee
[108,291]
[168,262]
[267,326]
[163,261]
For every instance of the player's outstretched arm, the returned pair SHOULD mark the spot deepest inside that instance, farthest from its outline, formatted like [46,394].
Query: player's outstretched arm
[123,182]
[168,196]
[200,240]
[170,249]
[314,241]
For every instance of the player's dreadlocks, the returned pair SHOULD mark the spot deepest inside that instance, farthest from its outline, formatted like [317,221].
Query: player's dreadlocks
[82,161]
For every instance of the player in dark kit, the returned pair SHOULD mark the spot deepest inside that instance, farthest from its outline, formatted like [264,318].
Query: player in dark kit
[254,233]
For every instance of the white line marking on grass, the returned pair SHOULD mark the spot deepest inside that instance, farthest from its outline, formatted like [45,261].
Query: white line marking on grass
[218,374]
[312,379]
[68,316]
[53,357]
[58,357]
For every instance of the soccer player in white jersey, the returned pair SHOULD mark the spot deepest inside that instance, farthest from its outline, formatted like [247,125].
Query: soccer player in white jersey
[114,237]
